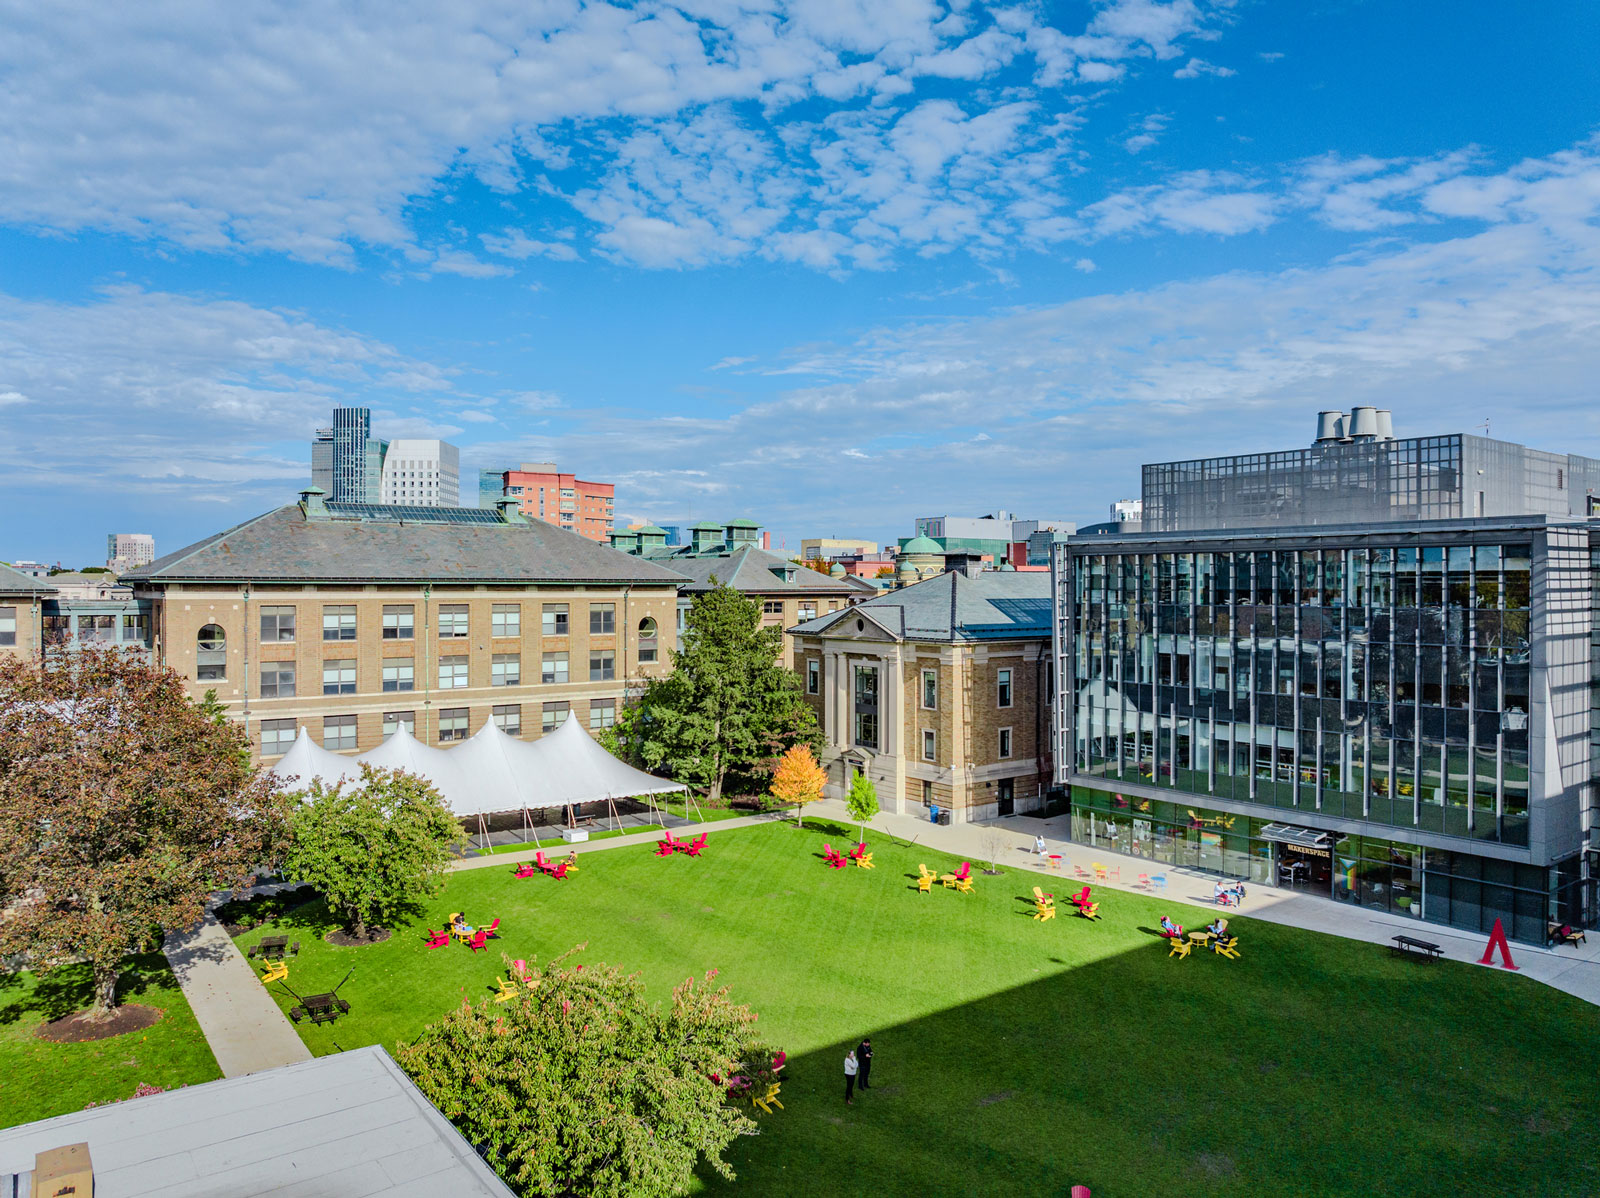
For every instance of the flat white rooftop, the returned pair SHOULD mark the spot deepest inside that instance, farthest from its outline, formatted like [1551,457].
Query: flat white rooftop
[350,1125]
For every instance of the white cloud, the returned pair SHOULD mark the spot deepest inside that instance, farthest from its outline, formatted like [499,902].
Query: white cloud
[730,362]
[1212,202]
[1086,265]
[1196,68]
[319,130]
[10,398]
[1147,133]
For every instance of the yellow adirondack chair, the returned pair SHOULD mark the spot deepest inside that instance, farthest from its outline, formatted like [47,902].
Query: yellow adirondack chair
[1090,910]
[768,1100]
[507,990]
[1180,948]
[276,971]
[1043,906]
[1227,946]
[925,880]
[963,885]
[572,862]
[865,861]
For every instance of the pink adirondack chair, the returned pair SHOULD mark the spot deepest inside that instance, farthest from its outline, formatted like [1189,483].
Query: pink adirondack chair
[490,930]
[697,847]
[855,853]
[542,861]
[479,940]
[779,1061]
[964,872]
[527,869]
[834,859]
[560,871]
[668,846]
[438,939]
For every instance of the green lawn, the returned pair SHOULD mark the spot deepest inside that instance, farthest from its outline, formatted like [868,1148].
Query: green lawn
[550,835]
[1015,1057]
[39,1079]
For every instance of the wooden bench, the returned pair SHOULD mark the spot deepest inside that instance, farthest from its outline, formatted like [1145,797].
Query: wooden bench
[1405,945]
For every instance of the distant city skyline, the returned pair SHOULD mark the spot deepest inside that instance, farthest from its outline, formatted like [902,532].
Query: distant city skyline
[833,267]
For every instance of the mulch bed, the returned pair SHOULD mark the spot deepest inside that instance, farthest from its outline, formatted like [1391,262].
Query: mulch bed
[81,1027]
[345,940]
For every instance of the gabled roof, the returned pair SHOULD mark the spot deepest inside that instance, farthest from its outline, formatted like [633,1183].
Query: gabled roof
[750,570]
[284,546]
[15,582]
[953,607]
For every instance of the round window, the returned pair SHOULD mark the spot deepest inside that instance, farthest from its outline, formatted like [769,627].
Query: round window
[861,625]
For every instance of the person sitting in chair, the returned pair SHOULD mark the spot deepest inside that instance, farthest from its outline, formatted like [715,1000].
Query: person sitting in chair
[1221,894]
[1169,929]
[1218,927]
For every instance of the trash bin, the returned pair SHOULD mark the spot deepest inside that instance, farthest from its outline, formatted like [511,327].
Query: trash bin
[944,818]
[933,815]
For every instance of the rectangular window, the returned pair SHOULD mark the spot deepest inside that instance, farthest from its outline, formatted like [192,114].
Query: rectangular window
[452,619]
[399,674]
[8,626]
[277,680]
[276,737]
[277,625]
[772,607]
[452,724]
[136,628]
[399,622]
[554,619]
[339,677]
[555,714]
[927,793]
[813,676]
[508,718]
[1005,743]
[602,665]
[553,670]
[506,670]
[1002,697]
[930,742]
[602,713]
[338,732]
[866,707]
[930,690]
[808,611]
[339,623]
[393,721]
[506,620]
[452,673]
[602,619]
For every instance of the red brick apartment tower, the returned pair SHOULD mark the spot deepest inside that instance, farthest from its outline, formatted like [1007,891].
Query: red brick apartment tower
[563,499]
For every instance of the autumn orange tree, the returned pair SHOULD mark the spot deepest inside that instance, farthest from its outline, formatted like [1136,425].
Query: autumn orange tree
[123,807]
[798,779]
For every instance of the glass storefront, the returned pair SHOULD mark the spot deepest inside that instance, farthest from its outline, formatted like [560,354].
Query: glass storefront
[1457,889]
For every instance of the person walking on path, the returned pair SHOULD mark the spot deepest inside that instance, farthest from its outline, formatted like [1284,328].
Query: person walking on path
[850,1067]
[864,1062]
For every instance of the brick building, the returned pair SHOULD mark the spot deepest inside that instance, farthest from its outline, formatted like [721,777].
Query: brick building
[939,692]
[22,612]
[346,619]
[564,500]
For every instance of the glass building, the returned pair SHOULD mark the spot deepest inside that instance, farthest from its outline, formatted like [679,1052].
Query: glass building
[1368,476]
[1396,715]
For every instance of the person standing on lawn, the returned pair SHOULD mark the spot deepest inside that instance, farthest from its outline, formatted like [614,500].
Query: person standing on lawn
[850,1067]
[864,1062]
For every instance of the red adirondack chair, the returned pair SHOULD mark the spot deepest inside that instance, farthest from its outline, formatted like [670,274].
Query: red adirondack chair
[480,940]
[779,1061]
[855,853]
[697,847]
[560,871]
[490,930]
[1081,898]
[964,872]
[668,846]
[834,859]
[438,939]
[527,869]
[541,862]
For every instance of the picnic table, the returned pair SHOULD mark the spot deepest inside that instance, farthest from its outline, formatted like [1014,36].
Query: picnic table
[320,1008]
[1405,945]
[272,948]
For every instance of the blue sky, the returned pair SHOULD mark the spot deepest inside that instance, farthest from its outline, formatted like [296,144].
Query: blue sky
[831,265]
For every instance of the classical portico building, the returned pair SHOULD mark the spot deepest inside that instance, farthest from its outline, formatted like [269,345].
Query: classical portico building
[939,692]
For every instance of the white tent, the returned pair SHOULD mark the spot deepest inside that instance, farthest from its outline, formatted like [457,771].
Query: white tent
[492,772]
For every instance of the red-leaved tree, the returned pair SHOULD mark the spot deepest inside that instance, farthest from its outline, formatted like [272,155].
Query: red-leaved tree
[123,806]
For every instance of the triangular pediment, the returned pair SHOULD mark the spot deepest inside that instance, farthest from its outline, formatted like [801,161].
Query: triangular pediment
[862,623]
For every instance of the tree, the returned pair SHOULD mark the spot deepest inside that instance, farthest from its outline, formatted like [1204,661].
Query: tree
[374,850]
[580,1086]
[728,709]
[798,779]
[123,807]
[862,801]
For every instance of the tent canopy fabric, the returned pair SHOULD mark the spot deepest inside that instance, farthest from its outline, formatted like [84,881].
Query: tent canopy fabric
[490,772]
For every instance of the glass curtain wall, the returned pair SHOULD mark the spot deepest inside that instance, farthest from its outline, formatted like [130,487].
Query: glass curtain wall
[1387,684]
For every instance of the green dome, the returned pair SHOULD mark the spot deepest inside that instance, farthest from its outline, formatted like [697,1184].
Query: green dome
[922,545]
[836,570]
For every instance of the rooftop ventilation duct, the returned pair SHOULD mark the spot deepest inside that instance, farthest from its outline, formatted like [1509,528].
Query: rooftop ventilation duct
[1385,425]
[1330,428]
[1363,424]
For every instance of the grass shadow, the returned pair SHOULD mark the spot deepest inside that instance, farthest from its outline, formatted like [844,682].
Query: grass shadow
[70,988]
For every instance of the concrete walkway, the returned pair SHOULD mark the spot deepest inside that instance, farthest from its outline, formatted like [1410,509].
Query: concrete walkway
[558,848]
[1573,970]
[244,1027]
